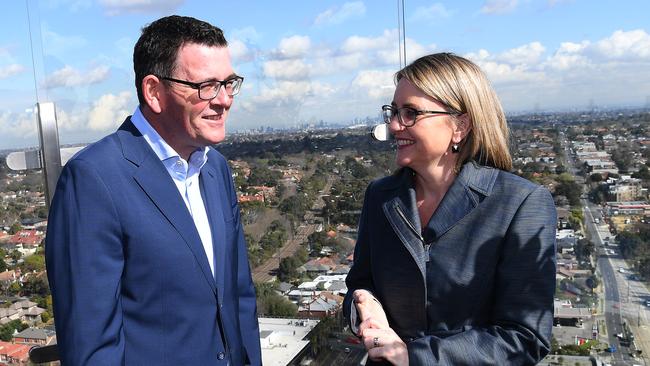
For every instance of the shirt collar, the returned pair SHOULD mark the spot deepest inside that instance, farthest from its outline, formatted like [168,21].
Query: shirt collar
[160,146]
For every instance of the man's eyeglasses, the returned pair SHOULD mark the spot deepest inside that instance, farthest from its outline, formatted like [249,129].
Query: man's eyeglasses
[406,116]
[209,90]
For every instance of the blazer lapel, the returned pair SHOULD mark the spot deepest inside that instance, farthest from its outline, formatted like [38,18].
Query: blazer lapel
[472,185]
[211,190]
[402,214]
[154,180]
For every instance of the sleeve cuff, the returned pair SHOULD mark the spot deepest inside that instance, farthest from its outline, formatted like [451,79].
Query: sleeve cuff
[355,321]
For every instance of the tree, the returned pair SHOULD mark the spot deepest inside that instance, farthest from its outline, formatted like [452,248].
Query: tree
[570,189]
[36,286]
[45,317]
[576,218]
[15,255]
[595,178]
[288,269]
[7,330]
[14,288]
[34,262]
[15,228]
[643,173]
[270,303]
[584,249]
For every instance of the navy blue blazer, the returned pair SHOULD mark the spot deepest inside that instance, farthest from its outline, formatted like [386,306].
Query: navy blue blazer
[474,287]
[131,283]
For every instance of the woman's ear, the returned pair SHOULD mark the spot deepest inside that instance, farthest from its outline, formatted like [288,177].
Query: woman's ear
[463,126]
[153,93]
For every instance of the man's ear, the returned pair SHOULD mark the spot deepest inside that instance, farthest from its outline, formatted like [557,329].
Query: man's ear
[463,127]
[152,90]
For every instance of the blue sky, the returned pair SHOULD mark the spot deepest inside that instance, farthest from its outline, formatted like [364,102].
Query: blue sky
[306,61]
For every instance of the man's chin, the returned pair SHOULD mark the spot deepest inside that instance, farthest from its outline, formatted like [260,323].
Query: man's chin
[216,138]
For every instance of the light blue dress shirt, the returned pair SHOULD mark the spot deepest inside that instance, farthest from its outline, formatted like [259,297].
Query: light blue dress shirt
[185,175]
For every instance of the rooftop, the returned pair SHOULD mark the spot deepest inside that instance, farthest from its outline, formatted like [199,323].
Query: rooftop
[283,339]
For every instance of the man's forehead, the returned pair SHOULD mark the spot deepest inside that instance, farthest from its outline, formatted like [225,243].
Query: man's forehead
[202,59]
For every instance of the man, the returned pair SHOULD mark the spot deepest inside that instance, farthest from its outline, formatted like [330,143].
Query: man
[145,249]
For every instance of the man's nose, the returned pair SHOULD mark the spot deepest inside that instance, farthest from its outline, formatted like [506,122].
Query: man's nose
[222,98]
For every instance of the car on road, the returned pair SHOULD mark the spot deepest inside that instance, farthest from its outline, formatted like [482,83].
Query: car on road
[647,303]
[611,349]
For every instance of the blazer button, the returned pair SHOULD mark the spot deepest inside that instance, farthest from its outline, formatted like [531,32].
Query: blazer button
[221,356]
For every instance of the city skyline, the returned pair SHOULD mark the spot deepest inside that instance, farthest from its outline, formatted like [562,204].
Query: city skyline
[313,61]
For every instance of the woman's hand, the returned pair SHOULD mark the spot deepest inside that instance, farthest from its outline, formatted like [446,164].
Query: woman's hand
[385,344]
[370,312]
[378,337]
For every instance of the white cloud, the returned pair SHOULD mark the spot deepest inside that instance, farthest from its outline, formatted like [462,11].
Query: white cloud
[528,54]
[569,56]
[431,13]
[499,6]
[239,51]
[18,124]
[387,40]
[293,91]
[74,120]
[69,76]
[414,50]
[334,15]
[625,45]
[330,65]
[246,34]
[117,7]
[378,84]
[283,103]
[506,68]
[573,74]
[10,70]
[501,73]
[286,69]
[109,111]
[294,46]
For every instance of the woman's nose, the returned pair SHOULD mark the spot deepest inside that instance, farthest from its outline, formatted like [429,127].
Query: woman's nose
[394,125]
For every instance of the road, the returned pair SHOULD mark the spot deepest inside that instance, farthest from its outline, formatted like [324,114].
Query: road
[622,295]
[266,272]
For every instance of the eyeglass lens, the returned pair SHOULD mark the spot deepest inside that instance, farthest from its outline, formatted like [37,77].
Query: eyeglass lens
[211,90]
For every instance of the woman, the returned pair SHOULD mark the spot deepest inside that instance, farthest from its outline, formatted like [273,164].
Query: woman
[455,259]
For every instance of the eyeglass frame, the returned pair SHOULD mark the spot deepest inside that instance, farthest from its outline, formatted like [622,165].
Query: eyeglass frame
[197,86]
[417,112]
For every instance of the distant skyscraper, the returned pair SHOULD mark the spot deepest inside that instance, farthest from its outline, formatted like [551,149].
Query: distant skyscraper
[592,106]
[647,102]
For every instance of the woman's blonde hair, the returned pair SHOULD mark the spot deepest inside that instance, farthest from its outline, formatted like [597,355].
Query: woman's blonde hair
[460,85]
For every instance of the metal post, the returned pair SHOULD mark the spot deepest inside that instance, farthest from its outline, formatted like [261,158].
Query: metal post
[50,154]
